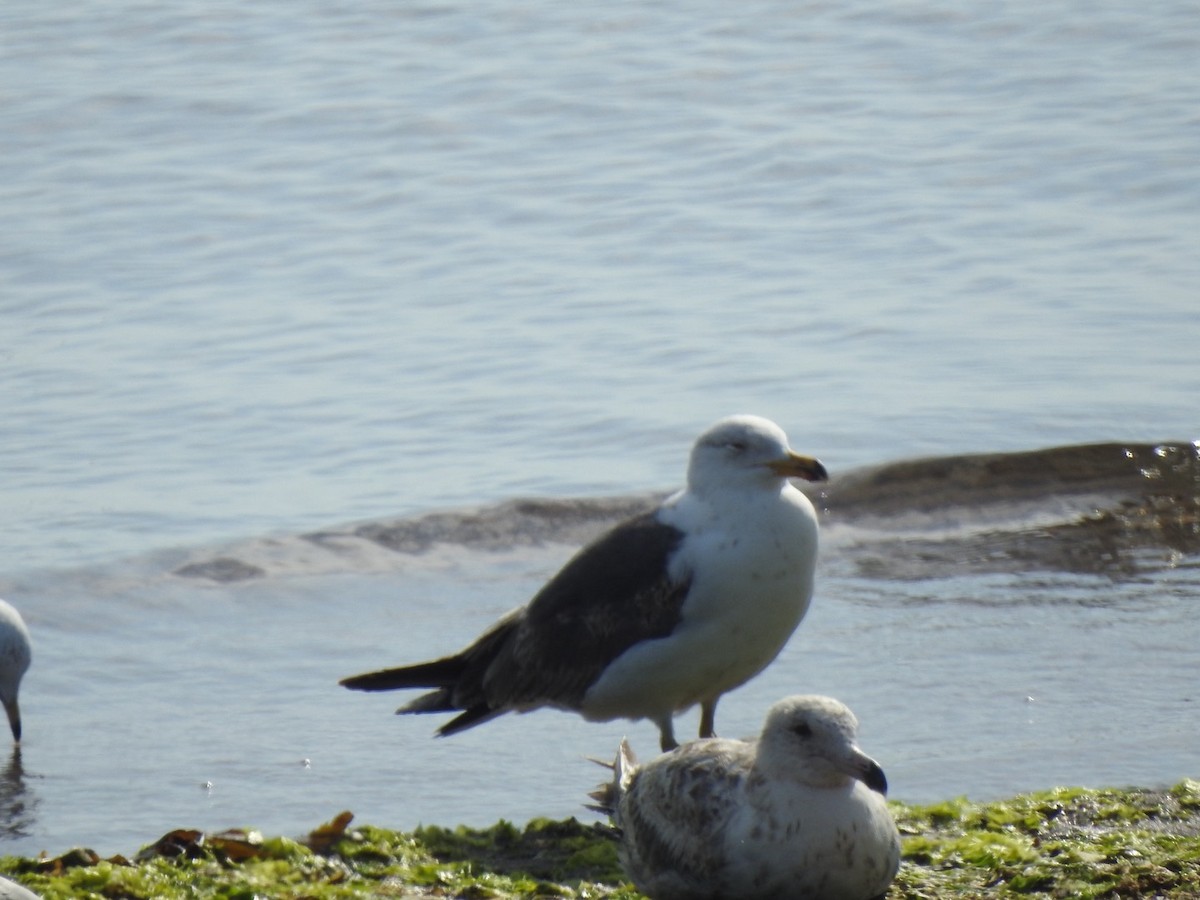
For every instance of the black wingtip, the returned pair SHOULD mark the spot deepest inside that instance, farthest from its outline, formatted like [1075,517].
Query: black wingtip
[437,673]
[369,681]
[469,718]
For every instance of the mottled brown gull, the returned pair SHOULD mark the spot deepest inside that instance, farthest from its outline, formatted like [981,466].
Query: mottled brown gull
[666,610]
[799,813]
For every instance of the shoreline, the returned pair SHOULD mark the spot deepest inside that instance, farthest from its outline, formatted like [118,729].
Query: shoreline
[1065,842]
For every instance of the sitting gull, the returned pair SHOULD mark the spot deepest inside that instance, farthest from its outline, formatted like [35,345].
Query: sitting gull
[666,610]
[799,813]
[14,660]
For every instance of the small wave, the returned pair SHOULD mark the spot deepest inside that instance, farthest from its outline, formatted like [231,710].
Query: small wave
[391,543]
[1120,510]
[1116,509]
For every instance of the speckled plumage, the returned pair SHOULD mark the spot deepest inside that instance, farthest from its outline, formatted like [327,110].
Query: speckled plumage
[798,814]
[665,611]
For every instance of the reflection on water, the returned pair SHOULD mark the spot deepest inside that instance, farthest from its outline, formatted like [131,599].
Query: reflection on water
[18,804]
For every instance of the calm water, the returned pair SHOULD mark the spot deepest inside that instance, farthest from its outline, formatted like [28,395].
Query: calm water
[278,268]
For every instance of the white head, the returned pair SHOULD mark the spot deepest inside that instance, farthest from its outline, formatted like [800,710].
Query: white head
[811,739]
[745,450]
[15,656]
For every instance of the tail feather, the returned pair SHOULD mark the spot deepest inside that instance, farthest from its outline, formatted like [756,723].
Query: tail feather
[608,795]
[624,766]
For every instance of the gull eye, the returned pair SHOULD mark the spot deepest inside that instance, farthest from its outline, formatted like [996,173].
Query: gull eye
[737,446]
[802,729]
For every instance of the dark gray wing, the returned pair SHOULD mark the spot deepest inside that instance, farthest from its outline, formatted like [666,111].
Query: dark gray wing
[611,595]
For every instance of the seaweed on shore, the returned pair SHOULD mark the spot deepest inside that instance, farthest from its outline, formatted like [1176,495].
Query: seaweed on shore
[1067,842]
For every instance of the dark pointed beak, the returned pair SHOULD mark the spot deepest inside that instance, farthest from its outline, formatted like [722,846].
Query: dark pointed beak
[872,776]
[14,718]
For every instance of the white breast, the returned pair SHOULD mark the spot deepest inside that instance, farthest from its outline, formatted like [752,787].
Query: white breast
[750,566]
[794,840]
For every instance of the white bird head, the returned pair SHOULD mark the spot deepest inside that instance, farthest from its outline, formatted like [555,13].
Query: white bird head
[747,450]
[811,739]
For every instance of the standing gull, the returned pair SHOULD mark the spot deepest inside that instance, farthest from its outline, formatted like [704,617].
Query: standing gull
[666,610]
[14,660]
[799,813]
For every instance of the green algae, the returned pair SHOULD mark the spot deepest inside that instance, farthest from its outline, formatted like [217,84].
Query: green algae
[1067,842]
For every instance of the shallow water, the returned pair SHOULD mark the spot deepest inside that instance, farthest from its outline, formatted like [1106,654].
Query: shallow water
[268,271]
[172,691]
